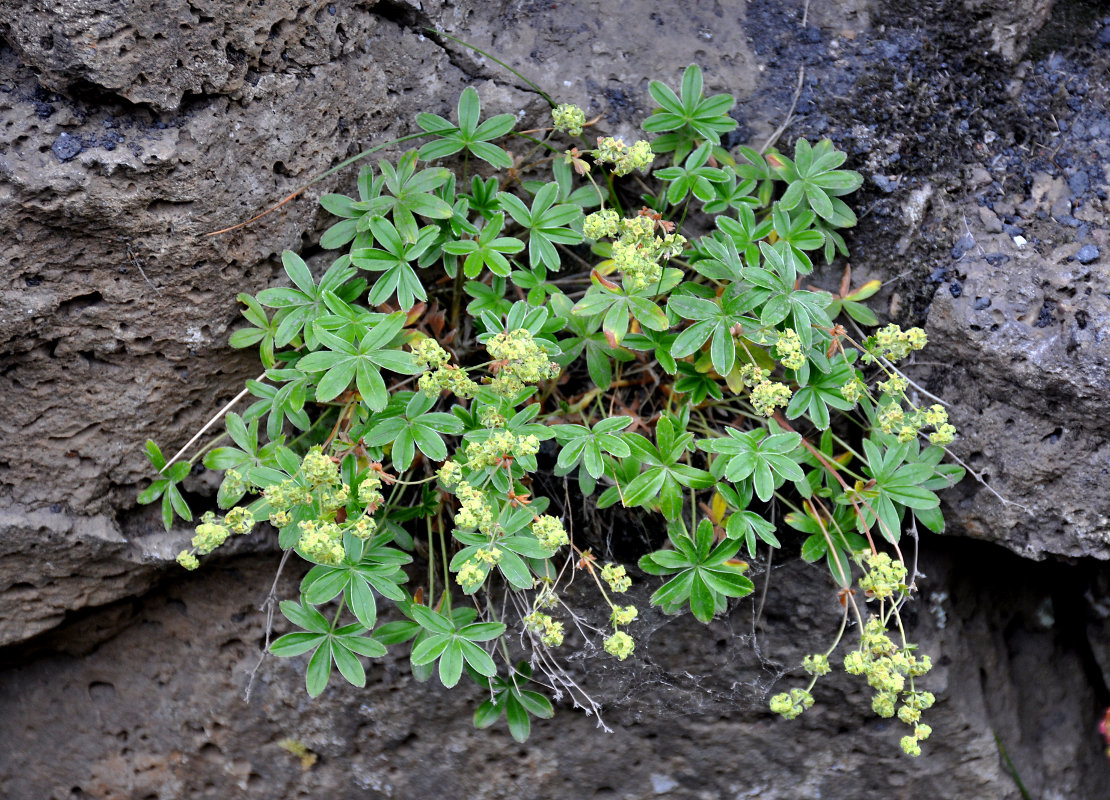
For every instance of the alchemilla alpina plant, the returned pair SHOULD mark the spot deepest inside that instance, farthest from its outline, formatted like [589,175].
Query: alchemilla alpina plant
[634,317]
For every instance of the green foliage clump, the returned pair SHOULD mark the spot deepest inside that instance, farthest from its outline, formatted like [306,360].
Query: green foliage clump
[481,332]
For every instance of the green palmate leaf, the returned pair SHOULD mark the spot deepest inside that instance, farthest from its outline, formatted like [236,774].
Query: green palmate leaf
[451,640]
[488,250]
[363,362]
[766,461]
[409,194]
[468,134]
[690,118]
[511,700]
[414,427]
[815,180]
[393,259]
[704,574]
[547,224]
[581,445]
[665,479]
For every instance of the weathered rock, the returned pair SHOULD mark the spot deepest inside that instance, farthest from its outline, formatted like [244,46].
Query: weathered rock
[1009,26]
[115,303]
[156,53]
[688,713]
[1027,376]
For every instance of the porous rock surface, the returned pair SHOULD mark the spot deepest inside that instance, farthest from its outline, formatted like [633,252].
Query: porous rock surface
[130,132]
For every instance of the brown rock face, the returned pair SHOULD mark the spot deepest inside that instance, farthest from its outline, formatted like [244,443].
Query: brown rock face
[129,131]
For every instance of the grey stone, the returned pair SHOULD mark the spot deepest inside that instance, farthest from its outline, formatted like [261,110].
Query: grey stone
[66,147]
[1079,183]
[1087,254]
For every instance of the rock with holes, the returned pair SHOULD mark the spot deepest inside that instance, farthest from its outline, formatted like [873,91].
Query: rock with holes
[156,53]
[1026,354]
[680,709]
[116,307]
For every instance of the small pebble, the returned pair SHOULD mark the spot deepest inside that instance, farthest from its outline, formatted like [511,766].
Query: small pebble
[981,303]
[884,183]
[962,246]
[1020,241]
[990,220]
[956,288]
[1079,183]
[1087,253]
[66,147]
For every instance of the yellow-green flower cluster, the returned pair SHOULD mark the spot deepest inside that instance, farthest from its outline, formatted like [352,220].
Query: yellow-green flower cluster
[569,119]
[439,375]
[187,560]
[638,252]
[910,744]
[893,419]
[549,532]
[616,576]
[636,264]
[793,704]
[491,556]
[853,390]
[209,534]
[471,576]
[887,666]
[789,347]
[447,378]
[500,445]
[284,496]
[370,492]
[335,496]
[769,395]
[429,354]
[943,435]
[450,474]
[364,527]
[640,230]
[321,541]
[890,417]
[623,615]
[937,417]
[490,417]
[521,360]
[816,665]
[550,631]
[620,645]
[751,375]
[885,577]
[319,469]
[240,520]
[234,482]
[895,386]
[623,158]
[894,343]
[601,224]
[287,494]
[475,511]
